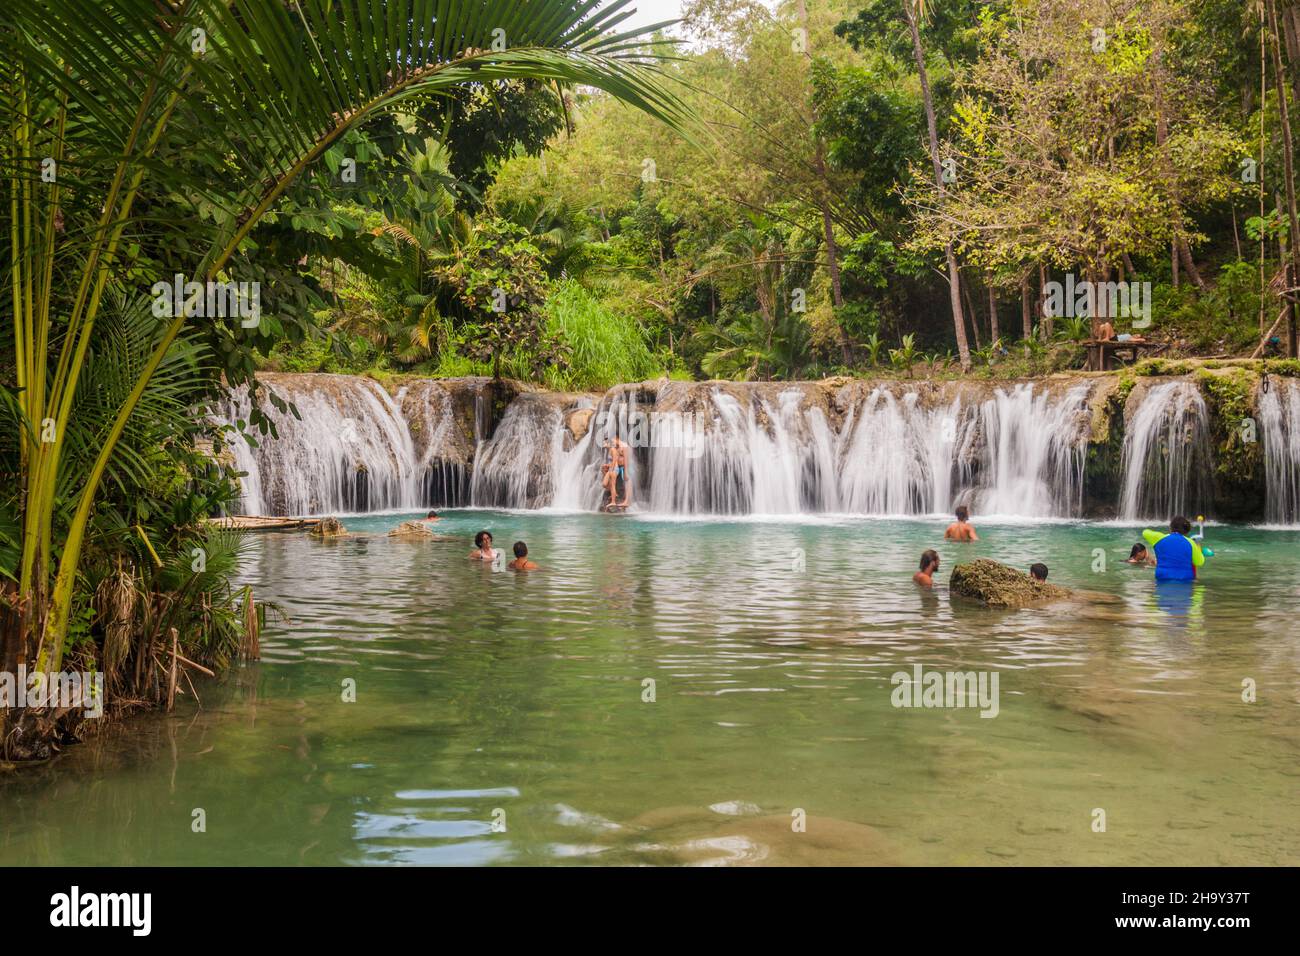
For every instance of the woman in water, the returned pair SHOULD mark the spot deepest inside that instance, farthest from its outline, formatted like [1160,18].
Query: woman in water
[483,550]
[1139,555]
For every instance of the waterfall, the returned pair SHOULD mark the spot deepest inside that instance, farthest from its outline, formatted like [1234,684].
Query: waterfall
[349,448]
[897,457]
[514,468]
[1017,453]
[711,448]
[1032,453]
[1279,414]
[575,467]
[720,451]
[1166,457]
[730,448]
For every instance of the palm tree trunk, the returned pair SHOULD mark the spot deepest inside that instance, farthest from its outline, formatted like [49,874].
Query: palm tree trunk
[932,128]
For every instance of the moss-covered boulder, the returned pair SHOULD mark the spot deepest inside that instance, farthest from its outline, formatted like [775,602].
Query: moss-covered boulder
[412,529]
[998,585]
[329,527]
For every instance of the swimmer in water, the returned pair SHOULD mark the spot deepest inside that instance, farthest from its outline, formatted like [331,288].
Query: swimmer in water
[1038,572]
[929,565]
[1139,555]
[521,562]
[1177,555]
[483,550]
[961,529]
[432,516]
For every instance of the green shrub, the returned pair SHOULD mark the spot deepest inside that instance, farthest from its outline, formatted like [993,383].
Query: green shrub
[1223,317]
[605,346]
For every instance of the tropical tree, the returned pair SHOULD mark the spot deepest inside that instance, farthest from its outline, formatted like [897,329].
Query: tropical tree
[501,286]
[103,100]
[914,10]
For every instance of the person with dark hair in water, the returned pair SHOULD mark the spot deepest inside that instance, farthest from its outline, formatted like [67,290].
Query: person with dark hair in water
[432,516]
[483,550]
[1139,555]
[1038,572]
[961,529]
[521,562]
[929,565]
[1177,555]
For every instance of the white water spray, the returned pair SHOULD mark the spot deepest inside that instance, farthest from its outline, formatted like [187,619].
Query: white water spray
[1166,458]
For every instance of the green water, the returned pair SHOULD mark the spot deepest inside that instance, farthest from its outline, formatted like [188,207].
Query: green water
[519,698]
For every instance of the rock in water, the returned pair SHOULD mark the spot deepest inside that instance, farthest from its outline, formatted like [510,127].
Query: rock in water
[329,527]
[418,529]
[997,585]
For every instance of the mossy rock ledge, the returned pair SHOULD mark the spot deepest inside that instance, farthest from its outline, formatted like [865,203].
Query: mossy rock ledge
[997,585]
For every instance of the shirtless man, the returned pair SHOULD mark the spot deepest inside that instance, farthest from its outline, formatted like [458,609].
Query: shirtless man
[929,565]
[961,529]
[615,471]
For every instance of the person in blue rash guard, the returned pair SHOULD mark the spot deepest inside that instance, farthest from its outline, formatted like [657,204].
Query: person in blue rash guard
[1177,555]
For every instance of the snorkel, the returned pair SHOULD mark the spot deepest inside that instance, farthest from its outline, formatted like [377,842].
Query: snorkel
[1199,537]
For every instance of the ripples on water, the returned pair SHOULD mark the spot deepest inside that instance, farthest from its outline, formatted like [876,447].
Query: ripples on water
[500,716]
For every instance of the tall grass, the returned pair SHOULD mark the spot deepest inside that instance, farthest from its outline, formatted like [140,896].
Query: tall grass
[607,347]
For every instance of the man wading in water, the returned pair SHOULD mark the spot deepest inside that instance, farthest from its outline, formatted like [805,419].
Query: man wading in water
[961,529]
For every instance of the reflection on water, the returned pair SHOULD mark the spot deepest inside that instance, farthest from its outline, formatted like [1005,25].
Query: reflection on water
[708,693]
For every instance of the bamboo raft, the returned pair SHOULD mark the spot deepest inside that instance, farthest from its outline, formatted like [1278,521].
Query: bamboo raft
[261,523]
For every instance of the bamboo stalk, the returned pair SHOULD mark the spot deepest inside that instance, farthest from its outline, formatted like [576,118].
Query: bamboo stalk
[171,680]
[251,647]
[189,663]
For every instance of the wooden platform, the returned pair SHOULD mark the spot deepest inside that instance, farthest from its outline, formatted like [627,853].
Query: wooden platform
[260,523]
[1105,355]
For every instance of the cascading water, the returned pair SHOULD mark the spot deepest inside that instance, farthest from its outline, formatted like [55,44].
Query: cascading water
[719,452]
[1166,457]
[1279,414]
[719,449]
[350,448]
[1032,453]
[514,468]
[575,467]
[896,457]
[740,448]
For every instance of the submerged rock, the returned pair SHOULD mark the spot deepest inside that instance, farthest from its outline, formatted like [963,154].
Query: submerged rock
[418,529]
[411,529]
[329,527]
[998,585]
